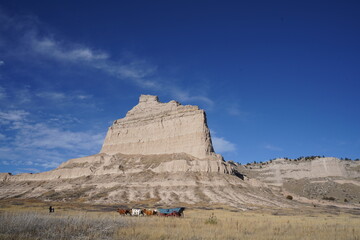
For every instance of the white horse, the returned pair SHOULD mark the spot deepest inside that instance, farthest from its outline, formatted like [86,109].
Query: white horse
[136,212]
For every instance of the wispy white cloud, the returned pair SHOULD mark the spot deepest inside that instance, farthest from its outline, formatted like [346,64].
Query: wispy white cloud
[56,50]
[136,70]
[2,137]
[83,96]
[273,147]
[22,96]
[185,96]
[46,143]
[33,42]
[233,109]
[37,43]
[222,145]
[12,116]
[52,95]
[41,144]
[4,162]
[2,93]
[9,154]
[62,98]
[41,135]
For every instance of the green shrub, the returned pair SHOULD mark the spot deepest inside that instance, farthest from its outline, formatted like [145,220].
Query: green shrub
[211,220]
[329,198]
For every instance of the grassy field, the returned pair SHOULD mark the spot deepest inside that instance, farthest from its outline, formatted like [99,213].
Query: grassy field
[31,220]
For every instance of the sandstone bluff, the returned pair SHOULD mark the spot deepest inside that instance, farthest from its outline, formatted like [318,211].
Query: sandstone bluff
[161,154]
[152,127]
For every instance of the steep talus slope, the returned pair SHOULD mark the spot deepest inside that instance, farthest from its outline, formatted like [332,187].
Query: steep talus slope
[103,164]
[151,179]
[150,188]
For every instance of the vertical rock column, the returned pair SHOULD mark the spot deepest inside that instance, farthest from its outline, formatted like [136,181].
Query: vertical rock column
[152,127]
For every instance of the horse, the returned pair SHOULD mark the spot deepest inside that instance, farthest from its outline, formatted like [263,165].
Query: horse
[122,211]
[149,212]
[137,212]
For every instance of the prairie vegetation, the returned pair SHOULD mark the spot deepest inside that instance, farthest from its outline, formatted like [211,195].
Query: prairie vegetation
[221,224]
[32,225]
[91,222]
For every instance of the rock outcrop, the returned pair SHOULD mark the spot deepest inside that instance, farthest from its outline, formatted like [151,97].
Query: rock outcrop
[317,178]
[161,154]
[154,136]
[280,170]
[152,127]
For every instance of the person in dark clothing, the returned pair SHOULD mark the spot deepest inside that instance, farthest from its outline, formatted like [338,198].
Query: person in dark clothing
[51,209]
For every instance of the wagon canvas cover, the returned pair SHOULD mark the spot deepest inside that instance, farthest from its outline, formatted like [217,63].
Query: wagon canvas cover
[170,210]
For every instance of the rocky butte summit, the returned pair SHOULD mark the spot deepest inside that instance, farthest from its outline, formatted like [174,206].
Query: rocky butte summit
[161,154]
[152,127]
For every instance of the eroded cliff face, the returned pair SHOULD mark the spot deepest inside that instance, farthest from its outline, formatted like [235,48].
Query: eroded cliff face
[320,178]
[161,153]
[154,136]
[280,170]
[152,127]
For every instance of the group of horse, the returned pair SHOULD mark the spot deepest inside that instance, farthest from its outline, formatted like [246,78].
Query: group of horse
[137,212]
[175,212]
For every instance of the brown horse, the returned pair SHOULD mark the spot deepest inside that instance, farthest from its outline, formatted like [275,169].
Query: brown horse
[149,212]
[122,211]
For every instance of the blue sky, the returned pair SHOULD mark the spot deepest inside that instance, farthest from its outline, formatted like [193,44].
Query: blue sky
[276,78]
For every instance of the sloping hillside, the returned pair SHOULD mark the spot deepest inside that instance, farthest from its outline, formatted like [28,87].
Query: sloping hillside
[317,178]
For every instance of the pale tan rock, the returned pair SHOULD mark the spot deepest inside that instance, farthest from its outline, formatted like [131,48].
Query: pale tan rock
[318,179]
[162,153]
[154,136]
[282,169]
[103,164]
[4,177]
[152,127]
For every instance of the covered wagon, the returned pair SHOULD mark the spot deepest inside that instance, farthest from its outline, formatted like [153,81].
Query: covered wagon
[176,212]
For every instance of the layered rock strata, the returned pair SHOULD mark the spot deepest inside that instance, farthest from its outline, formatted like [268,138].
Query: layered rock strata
[280,170]
[124,164]
[161,154]
[152,127]
[154,136]
[320,178]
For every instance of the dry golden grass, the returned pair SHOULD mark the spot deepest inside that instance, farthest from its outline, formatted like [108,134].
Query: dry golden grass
[220,224]
[22,220]
[33,225]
